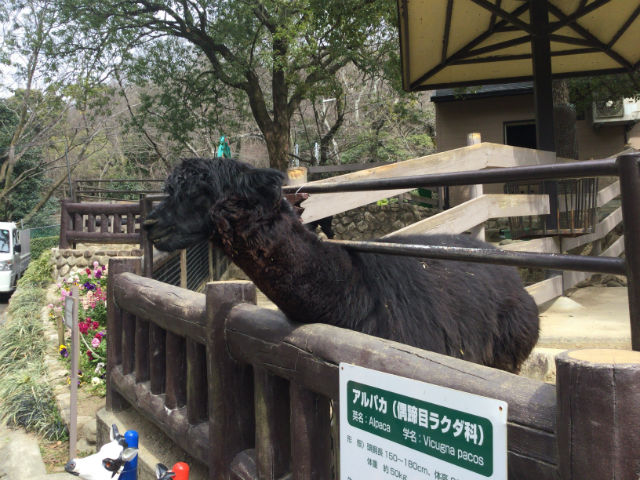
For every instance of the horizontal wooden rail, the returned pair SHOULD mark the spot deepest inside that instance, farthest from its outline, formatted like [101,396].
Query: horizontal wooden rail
[474,157]
[477,211]
[103,208]
[103,237]
[176,310]
[309,355]
[99,223]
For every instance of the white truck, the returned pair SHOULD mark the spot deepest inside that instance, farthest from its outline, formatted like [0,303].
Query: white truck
[15,246]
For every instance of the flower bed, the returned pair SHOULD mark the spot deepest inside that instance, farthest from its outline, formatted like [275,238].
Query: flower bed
[92,322]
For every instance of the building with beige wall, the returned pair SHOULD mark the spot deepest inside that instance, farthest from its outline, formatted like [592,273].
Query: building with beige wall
[505,114]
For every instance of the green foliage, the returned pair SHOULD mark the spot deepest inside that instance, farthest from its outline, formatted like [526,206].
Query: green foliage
[42,244]
[40,270]
[28,402]
[197,59]
[26,399]
[585,90]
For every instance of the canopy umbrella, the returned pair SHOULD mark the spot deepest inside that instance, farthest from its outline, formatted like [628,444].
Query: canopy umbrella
[447,43]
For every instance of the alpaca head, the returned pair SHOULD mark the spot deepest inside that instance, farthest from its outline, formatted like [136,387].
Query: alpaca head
[195,187]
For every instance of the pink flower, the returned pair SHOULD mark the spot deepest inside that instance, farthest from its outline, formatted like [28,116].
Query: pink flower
[95,325]
[95,343]
[96,264]
[88,270]
[83,327]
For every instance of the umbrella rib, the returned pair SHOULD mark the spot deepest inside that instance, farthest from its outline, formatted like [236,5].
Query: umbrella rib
[447,29]
[624,27]
[589,36]
[506,16]
[581,11]
[465,49]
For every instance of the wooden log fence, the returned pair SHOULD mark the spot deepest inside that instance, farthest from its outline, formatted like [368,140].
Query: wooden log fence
[252,395]
[99,223]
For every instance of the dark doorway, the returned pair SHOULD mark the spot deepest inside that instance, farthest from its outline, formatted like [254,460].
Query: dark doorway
[520,134]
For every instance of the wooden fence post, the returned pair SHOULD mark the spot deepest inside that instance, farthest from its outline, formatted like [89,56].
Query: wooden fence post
[231,411]
[598,394]
[476,191]
[114,401]
[145,243]
[65,223]
[183,268]
[273,441]
[310,435]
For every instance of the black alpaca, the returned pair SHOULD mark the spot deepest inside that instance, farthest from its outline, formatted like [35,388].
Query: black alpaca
[477,312]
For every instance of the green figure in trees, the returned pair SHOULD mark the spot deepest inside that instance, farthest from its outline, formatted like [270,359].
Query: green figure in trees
[223,148]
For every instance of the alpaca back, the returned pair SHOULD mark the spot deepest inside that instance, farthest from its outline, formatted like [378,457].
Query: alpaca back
[478,312]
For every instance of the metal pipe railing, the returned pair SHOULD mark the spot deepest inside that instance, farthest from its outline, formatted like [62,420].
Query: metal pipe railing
[496,256]
[591,168]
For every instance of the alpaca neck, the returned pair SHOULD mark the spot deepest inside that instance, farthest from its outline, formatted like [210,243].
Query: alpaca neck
[296,270]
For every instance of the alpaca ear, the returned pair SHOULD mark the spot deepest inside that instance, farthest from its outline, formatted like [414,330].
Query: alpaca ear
[262,185]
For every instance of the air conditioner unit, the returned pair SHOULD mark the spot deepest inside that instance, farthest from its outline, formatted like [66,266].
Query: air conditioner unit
[616,111]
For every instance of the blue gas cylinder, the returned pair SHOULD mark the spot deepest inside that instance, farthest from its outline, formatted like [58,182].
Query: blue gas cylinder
[130,471]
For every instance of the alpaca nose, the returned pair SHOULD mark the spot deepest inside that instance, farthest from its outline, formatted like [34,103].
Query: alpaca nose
[70,467]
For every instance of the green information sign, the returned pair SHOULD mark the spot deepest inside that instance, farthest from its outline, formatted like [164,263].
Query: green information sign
[451,435]
[394,427]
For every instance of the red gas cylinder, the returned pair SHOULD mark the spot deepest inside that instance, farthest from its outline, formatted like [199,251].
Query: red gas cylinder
[181,470]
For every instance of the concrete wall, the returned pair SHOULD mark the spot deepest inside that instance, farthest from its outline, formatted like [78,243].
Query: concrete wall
[454,120]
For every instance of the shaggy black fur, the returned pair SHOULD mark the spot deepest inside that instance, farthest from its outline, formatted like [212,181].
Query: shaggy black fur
[477,312]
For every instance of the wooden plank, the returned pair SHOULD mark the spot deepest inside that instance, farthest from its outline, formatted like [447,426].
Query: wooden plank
[537,245]
[546,289]
[173,422]
[176,369]
[65,223]
[197,394]
[345,167]
[310,434]
[310,354]
[114,401]
[608,193]
[477,211]
[615,249]
[454,220]
[128,342]
[142,350]
[322,205]
[103,208]
[103,236]
[175,309]
[157,362]
[231,400]
[273,439]
[571,278]
[598,416]
[602,229]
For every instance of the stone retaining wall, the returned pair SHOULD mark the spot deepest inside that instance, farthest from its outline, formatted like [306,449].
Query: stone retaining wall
[374,221]
[68,259]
